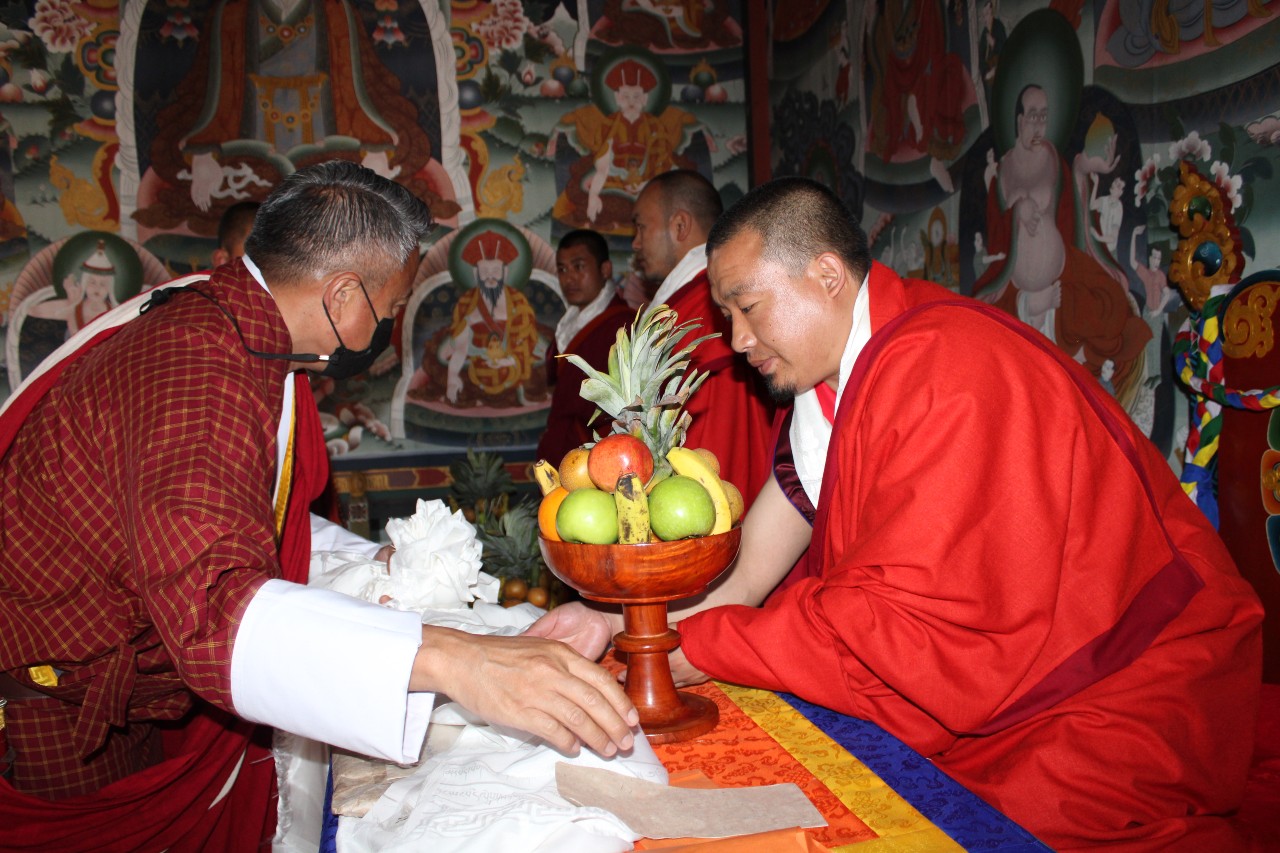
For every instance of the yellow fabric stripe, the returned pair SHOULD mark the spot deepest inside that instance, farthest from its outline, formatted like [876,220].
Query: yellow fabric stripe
[882,809]
[286,472]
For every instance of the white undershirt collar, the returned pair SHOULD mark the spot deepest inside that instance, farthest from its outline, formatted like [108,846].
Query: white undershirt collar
[575,319]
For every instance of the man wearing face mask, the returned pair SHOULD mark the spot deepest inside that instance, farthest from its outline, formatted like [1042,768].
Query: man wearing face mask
[155,482]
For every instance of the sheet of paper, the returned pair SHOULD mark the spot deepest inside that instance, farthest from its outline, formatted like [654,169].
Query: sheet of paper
[659,811]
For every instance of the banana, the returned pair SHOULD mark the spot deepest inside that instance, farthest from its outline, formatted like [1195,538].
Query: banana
[545,473]
[633,510]
[686,462]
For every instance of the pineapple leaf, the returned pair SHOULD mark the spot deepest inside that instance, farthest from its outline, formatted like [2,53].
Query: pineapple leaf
[648,381]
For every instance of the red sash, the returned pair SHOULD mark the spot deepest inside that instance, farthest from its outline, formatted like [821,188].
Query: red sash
[178,804]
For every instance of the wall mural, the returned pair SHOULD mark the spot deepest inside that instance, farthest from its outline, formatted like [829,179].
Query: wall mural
[1027,153]
[515,121]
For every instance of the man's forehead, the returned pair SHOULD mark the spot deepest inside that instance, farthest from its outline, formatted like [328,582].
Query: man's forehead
[732,267]
[572,253]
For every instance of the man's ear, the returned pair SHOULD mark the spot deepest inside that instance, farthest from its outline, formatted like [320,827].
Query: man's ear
[341,291]
[606,270]
[681,224]
[833,274]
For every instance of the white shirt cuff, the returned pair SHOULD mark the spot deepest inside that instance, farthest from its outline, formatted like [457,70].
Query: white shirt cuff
[327,536]
[332,668]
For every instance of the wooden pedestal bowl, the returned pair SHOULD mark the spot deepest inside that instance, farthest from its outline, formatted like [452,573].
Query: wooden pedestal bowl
[643,578]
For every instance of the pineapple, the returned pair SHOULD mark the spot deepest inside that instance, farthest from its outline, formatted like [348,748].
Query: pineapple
[510,544]
[648,382]
[481,486]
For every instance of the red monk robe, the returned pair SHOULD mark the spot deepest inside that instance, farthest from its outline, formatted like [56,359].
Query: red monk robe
[732,415]
[1005,574]
[132,545]
[567,420]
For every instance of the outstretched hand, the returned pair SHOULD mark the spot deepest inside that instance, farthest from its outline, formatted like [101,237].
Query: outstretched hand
[536,685]
[586,630]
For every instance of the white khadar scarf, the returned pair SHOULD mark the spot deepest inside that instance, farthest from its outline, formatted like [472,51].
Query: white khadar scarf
[575,319]
[810,429]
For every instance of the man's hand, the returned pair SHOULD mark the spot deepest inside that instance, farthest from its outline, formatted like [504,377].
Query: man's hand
[539,686]
[685,673]
[585,630]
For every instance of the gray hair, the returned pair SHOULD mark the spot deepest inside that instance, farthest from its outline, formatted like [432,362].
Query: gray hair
[335,216]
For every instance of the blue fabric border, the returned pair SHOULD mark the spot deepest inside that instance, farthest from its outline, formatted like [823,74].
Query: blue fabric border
[957,811]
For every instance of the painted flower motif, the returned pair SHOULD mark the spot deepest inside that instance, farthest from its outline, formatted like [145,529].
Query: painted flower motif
[10,94]
[38,80]
[1192,146]
[1144,178]
[506,25]
[1229,184]
[59,26]
[388,31]
[179,27]
[469,52]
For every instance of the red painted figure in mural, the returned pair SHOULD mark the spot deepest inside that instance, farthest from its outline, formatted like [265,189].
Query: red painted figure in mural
[920,89]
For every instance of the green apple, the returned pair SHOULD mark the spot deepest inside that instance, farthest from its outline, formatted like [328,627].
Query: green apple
[588,515]
[680,508]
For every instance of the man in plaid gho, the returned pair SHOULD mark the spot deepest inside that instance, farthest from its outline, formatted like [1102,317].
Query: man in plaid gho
[155,532]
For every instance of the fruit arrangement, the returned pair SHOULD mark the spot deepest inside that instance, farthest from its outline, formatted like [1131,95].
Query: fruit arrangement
[639,483]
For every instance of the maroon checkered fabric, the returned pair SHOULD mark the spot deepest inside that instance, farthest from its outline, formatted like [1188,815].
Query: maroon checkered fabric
[135,525]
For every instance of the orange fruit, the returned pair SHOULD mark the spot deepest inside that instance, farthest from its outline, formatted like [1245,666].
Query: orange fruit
[515,589]
[573,470]
[710,458]
[547,512]
[736,505]
[538,597]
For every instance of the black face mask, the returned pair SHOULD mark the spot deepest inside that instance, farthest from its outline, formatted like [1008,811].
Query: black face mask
[345,363]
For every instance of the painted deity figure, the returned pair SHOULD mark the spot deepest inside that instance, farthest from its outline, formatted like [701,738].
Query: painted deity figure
[941,254]
[1049,278]
[274,85]
[1110,210]
[488,350]
[622,150]
[89,294]
[686,25]
[920,89]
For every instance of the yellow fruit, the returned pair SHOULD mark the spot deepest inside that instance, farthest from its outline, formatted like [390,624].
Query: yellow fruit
[633,510]
[689,463]
[710,458]
[546,476]
[736,505]
[547,513]
[573,470]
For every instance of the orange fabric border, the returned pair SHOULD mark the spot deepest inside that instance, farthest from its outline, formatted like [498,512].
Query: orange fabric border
[739,753]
